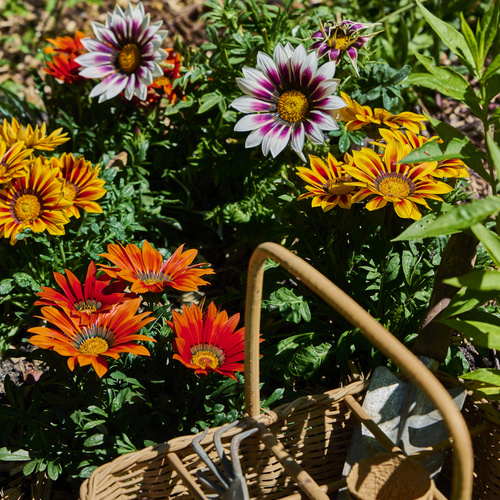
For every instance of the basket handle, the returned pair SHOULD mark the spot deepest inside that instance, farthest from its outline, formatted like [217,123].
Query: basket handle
[409,364]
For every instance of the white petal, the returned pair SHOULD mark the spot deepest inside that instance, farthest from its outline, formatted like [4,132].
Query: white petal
[97,71]
[254,139]
[252,105]
[323,120]
[298,137]
[314,133]
[252,122]
[333,102]
[327,70]
[280,140]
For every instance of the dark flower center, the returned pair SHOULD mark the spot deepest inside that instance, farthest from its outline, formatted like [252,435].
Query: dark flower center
[292,106]
[394,185]
[129,58]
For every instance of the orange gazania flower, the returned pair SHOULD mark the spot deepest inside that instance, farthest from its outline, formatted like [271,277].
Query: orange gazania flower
[327,183]
[164,83]
[107,334]
[94,296]
[81,185]
[34,138]
[358,116]
[389,181]
[34,201]
[66,44]
[452,167]
[148,272]
[206,342]
[13,161]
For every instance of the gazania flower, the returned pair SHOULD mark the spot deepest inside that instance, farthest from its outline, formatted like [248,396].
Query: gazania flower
[358,116]
[328,183]
[336,39]
[103,335]
[33,138]
[148,272]
[64,69]
[94,296]
[125,54]
[288,98]
[66,44]
[389,181]
[34,201]
[207,342]
[13,161]
[452,167]
[81,185]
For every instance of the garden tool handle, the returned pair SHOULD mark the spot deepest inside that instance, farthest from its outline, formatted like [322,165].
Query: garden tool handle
[380,337]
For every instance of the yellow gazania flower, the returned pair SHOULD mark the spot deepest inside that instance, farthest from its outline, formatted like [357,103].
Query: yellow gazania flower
[389,181]
[327,183]
[34,201]
[453,167]
[358,116]
[81,185]
[33,138]
[13,161]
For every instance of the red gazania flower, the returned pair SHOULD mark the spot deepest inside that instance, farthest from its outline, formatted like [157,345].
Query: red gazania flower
[207,342]
[66,44]
[103,335]
[34,201]
[164,83]
[13,161]
[81,184]
[64,69]
[94,296]
[147,271]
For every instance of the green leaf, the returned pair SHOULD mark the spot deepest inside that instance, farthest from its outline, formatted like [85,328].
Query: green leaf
[490,240]
[465,300]
[95,440]
[14,456]
[450,37]
[208,101]
[457,219]
[292,307]
[53,470]
[492,69]
[30,467]
[480,327]
[478,279]
[275,396]
[471,43]
[494,152]
[6,286]
[489,29]
[485,381]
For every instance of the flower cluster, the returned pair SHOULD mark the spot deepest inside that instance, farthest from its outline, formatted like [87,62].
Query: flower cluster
[97,319]
[40,193]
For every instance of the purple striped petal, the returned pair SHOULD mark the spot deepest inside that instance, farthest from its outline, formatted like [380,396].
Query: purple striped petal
[331,102]
[313,132]
[308,69]
[298,137]
[257,136]
[252,105]
[334,55]
[267,142]
[129,89]
[299,56]
[280,140]
[268,68]
[105,35]
[353,54]
[252,122]
[144,75]
[281,59]
[323,120]
[251,88]
[325,89]
[97,71]
[93,59]
[259,77]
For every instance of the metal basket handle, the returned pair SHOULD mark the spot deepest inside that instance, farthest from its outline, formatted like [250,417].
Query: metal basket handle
[381,338]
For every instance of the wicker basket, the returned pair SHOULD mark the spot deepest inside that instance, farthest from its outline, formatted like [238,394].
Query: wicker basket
[300,448]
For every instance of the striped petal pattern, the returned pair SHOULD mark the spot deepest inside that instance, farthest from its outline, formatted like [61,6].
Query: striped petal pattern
[287,98]
[125,54]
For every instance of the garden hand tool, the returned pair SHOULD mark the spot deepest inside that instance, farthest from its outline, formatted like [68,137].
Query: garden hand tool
[232,484]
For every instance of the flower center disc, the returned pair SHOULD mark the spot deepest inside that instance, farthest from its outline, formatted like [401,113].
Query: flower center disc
[204,359]
[89,306]
[395,185]
[341,41]
[292,106]
[27,208]
[93,346]
[129,58]
[337,187]
[70,191]
[151,278]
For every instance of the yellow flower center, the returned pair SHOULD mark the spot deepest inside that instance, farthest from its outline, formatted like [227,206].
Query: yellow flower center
[70,191]
[341,41]
[151,278]
[394,185]
[205,359]
[93,346]
[89,306]
[27,208]
[129,58]
[292,106]
[337,186]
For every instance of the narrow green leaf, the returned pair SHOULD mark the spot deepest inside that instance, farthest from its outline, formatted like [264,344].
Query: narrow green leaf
[95,440]
[471,43]
[486,375]
[490,240]
[489,29]
[465,300]
[208,101]
[482,333]
[450,37]
[494,153]
[457,219]
[491,69]
[478,279]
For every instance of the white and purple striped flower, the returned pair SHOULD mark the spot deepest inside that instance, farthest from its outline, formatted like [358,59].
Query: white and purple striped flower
[124,53]
[288,97]
[336,39]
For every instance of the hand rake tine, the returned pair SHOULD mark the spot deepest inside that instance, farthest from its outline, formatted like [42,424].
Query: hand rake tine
[203,455]
[220,450]
[211,484]
[235,446]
